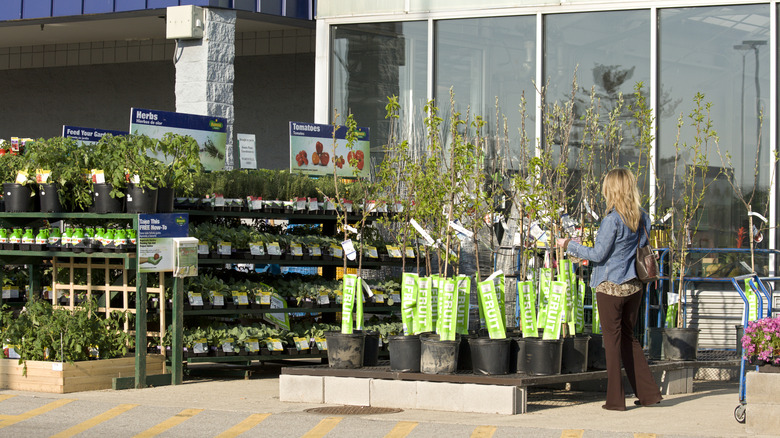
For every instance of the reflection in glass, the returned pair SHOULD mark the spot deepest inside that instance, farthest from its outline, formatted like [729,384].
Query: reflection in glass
[610,52]
[484,60]
[373,61]
[726,58]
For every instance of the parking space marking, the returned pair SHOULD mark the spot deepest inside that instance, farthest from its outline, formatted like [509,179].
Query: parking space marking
[483,432]
[323,427]
[94,421]
[177,419]
[250,422]
[572,433]
[401,429]
[6,397]
[35,412]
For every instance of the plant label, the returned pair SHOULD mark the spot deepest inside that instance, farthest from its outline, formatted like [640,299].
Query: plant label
[257,249]
[195,298]
[224,248]
[349,249]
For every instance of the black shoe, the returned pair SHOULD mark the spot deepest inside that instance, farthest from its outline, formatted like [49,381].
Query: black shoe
[638,403]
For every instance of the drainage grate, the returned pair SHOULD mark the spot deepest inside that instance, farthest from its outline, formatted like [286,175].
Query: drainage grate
[352,410]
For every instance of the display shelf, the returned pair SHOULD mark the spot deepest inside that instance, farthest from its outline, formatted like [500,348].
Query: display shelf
[299,262]
[21,257]
[310,310]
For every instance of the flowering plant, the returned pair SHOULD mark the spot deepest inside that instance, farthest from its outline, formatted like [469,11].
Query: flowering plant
[762,339]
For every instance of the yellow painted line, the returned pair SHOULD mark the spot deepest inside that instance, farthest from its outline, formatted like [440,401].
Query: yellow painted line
[323,427]
[402,429]
[483,432]
[35,412]
[94,421]
[248,423]
[177,419]
[572,433]
[6,397]
[644,435]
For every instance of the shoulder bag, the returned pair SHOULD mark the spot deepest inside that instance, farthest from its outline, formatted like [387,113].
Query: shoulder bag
[646,261]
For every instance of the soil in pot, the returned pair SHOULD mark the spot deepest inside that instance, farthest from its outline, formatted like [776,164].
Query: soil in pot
[681,343]
[50,198]
[345,350]
[102,202]
[436,356]
[574,356]
[18,197]
[404,353]
[140,199]
[543,356]
[490,356]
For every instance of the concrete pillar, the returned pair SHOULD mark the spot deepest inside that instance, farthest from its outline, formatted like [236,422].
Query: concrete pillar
[205,72]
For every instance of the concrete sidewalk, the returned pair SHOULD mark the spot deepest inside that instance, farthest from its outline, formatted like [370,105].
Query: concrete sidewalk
[708,412]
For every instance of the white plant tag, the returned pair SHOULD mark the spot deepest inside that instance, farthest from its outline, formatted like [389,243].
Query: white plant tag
[349,249]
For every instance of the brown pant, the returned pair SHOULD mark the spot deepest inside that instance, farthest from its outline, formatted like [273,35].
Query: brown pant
[618,316]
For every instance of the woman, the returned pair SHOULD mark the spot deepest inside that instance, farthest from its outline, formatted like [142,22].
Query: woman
[618,291]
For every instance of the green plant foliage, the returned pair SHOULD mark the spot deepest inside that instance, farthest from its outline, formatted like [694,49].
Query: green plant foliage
[43,332]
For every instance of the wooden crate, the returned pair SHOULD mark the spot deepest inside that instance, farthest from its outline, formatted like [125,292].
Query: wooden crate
[90,375]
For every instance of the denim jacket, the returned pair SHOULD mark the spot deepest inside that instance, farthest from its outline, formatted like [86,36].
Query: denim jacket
[614,252]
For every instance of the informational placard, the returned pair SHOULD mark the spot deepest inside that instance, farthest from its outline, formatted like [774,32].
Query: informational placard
[281,319]
[185,257]
[209,132]
[247,151]
[155,240]
[88,135]
[313,152]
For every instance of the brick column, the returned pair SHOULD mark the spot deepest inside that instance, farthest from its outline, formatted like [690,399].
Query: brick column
[205,72]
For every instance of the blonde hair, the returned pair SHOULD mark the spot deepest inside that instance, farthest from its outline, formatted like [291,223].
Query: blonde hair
[620,191]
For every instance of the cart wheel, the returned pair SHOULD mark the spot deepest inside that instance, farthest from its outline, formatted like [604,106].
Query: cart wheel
[739,413]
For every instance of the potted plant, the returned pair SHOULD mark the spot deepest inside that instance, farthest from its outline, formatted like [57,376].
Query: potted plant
[60,164]
[122,163]
[181,167]
[17,184]
[761,342]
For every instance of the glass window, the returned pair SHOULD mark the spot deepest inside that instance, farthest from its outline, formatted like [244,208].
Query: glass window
[610,52]
[373,61]
[722,53]
[484,60]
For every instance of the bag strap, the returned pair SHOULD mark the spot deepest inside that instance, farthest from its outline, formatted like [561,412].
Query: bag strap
[641,225]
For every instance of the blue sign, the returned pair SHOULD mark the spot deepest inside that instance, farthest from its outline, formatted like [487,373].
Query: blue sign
[164,225]
[209,132]
[88,135]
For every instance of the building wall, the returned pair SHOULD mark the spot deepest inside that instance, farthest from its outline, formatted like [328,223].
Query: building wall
[95,85]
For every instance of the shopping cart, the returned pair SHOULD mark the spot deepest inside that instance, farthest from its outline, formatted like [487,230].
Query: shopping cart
[758,288]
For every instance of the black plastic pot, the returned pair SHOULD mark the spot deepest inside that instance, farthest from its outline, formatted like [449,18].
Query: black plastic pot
[102,202]
[597,359]
[165,200]
[345,350]
[371,349]
[574,356]
[543,356]
[681,343]
[517,355]
[490,356]
[404,353]
[464,353]
[18,197]
[438,357]
[655,342]
[50,198]
[141,200]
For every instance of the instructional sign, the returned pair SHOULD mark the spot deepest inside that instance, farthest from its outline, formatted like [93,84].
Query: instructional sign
[313,152]
[209,132]
[88,135]
[155,240]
